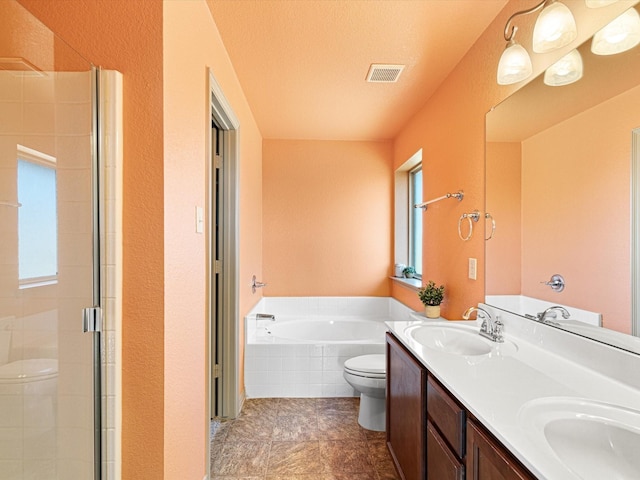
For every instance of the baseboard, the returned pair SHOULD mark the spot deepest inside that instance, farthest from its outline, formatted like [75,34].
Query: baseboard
[241,398]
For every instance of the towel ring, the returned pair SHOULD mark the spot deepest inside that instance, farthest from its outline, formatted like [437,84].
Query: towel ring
[471,217]
[493,225]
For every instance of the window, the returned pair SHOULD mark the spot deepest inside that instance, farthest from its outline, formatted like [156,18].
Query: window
[415,219]
[37,219]
[408,220]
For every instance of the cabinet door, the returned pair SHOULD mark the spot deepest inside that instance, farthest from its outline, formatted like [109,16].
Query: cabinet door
[488,460]
[442,464]
[406,411]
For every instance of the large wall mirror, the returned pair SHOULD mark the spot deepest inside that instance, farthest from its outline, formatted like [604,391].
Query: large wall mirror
[560,164]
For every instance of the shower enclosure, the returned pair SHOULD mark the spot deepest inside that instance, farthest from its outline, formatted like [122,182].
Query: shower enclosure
[50,320]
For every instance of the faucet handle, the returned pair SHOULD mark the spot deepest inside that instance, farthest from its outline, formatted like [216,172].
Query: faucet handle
[498,331]
[485,326]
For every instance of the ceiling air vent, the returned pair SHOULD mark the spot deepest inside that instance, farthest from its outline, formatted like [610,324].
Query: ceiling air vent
[379,73]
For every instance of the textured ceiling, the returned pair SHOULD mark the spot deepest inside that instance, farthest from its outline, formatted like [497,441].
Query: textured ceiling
[302,63]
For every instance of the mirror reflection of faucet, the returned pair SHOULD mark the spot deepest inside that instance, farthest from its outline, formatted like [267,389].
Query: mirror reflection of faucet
[556,283]
[551,313]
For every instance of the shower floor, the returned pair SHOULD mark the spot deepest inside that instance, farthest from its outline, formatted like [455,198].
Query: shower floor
[298,439]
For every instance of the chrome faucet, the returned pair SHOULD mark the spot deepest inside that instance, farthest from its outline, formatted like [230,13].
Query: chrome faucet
[265,316]
[551,312]
[491,329]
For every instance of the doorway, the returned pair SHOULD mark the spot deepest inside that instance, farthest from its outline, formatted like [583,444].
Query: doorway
[222,231]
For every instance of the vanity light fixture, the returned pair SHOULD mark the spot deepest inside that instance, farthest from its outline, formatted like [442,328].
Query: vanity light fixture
[620,35]
[554,28]
[565,71]
[515,63]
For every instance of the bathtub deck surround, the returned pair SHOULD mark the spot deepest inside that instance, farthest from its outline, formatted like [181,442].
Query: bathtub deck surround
[295,364]
[301,438]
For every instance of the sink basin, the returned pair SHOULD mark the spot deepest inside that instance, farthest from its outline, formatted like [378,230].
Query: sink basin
[592,440]
[457,340]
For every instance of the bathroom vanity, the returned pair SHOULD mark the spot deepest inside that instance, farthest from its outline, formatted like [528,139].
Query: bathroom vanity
[462,407]
[424,421]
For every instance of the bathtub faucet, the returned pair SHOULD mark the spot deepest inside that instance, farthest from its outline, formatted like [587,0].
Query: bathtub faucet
[265,316]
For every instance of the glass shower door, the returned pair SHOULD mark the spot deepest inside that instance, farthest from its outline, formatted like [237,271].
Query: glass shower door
[48,427]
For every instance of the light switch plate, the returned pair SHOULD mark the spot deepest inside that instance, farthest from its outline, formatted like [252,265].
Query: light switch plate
[473,268]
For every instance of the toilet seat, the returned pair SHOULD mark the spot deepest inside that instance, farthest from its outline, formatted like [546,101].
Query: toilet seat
[369,366]
[28,370]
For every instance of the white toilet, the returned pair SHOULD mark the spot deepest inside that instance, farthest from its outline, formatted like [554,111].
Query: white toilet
[367,374]
[28,402]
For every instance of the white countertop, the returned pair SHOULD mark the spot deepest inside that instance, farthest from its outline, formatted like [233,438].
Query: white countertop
[495,388]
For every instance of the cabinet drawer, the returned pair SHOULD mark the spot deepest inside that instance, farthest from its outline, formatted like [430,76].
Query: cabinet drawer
[447,415]
[441,463]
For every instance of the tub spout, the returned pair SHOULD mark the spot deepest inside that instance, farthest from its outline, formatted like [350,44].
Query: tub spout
[265,316]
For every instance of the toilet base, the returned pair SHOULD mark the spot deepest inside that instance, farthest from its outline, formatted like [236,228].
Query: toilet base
[372,414]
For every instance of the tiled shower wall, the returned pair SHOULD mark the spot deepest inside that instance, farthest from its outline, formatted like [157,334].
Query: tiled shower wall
[111,245]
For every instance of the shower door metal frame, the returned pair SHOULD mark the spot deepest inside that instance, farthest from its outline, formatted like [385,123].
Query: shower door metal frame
[92,316]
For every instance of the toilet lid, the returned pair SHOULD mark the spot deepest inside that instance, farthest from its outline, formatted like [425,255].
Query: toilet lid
[29,370]
[373,364]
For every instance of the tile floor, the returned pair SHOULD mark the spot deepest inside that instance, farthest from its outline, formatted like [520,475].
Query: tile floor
[298,439]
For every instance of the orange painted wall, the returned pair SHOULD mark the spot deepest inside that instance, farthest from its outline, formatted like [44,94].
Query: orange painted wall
[503,200]
[450,130]
[327,217]
[189,27]
[108,34]
[596,203]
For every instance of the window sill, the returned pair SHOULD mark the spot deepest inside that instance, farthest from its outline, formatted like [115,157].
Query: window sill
[410,283]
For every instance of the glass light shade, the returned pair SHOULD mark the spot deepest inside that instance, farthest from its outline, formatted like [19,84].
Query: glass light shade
[598,3]
[565,71]
[514,65]
[554,28]
[620,35]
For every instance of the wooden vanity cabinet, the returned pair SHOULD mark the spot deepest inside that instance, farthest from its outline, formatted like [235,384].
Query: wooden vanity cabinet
[446,434]
[487,459]
[406,411]
[430,435]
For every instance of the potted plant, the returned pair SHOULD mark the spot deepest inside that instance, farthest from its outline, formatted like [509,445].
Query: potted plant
[408,272]
[431,297]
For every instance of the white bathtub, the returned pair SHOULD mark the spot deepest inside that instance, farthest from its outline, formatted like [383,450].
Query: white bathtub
[302,352]
[354,330]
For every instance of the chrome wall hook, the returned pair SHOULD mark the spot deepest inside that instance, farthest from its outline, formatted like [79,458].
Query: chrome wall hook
[255,284]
